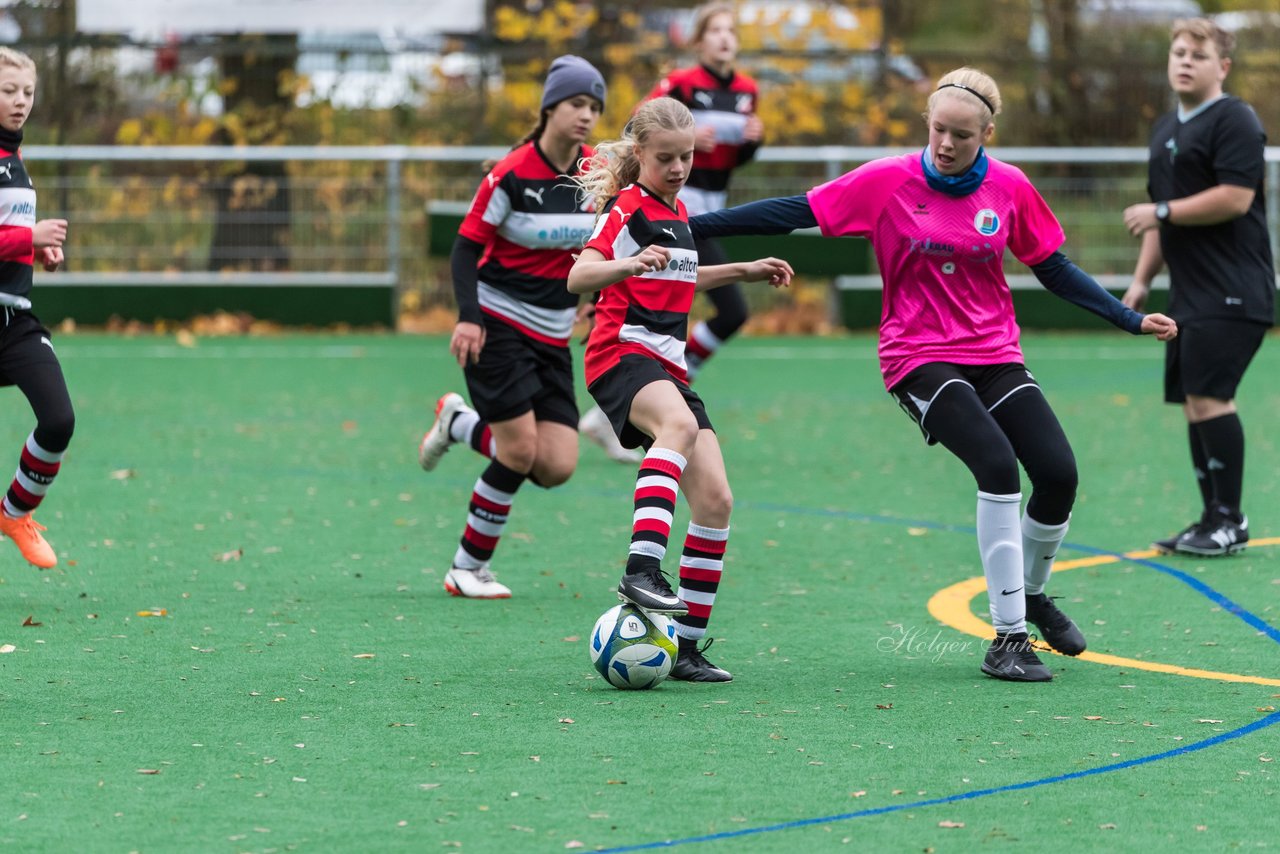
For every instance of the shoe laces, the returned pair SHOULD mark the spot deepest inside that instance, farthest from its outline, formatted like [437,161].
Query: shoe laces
[658,576]
[696,655]
[1021,647]
[1050,614]
[484,574]
[28,526]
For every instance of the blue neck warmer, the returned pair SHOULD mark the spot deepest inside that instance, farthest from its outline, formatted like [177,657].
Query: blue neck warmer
[955,185]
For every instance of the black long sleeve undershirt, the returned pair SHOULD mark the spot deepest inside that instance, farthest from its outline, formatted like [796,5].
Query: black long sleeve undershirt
[464,259]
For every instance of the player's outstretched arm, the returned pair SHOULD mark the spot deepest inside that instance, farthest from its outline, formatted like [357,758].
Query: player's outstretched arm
[767,216]
[775,271]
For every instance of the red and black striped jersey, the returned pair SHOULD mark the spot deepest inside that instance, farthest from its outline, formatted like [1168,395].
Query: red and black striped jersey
[649,314]
[724,103]
[17,219]
[529,218]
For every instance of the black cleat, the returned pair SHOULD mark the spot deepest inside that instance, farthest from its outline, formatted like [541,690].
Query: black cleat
[1169,545]
[692,666]
[1056,628]
[1225,534]
[648,590]
[1011,657]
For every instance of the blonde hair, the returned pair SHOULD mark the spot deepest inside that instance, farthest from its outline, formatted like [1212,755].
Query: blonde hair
[704,16]
[16,59]
[615,164]
[971,84]
[1201,30]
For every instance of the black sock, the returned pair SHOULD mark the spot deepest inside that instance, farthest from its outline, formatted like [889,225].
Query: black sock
[1223,441]
[1200,465]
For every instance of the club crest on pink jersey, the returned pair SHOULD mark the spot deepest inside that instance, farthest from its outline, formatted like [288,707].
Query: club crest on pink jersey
[987,222]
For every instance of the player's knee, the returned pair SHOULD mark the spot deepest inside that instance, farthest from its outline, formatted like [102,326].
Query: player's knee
[678,432]
[519,454]
[720,504]
[996,472]
[54,432]
[554,472]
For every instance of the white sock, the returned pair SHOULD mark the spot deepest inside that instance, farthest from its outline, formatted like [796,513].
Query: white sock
[1000,544]
[463,423]
[1040,544]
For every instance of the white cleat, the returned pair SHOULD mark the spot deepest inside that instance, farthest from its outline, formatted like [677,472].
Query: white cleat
[594,424]
[437,440]
[475,584]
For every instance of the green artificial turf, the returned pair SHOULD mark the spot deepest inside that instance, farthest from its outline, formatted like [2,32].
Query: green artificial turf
[311,687]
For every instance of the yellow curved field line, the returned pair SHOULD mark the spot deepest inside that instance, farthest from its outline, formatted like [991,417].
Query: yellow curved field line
[951,606]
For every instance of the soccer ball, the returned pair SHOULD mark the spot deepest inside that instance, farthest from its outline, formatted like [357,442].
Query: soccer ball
[632,649]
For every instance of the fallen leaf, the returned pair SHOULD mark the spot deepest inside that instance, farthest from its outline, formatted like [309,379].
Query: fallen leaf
[154,612]
[571,639]
[1208,721]
[858,794]
[573,843]
[615,782]
[884,705]
[123,474]
[227,557]
[1093,717]
[148,770]
[950,824]
[7,648]
[918,532]
[365,655]
[426,786]
[1107,826]
[565,720]
[30,621]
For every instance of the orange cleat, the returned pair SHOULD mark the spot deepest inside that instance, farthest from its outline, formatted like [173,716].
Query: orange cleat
[25,533]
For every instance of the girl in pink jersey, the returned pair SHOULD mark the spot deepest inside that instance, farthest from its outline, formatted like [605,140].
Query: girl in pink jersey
[642,260]
[940,222]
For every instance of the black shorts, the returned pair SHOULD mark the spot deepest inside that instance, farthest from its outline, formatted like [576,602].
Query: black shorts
[1209,358]
[24,343]
[517,374]
[993,384]
[617,387]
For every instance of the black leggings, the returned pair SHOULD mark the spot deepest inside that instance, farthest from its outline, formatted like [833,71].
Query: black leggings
[1021,429]
[27,360]
[729,301]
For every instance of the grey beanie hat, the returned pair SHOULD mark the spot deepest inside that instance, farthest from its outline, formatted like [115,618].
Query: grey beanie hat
[571,75]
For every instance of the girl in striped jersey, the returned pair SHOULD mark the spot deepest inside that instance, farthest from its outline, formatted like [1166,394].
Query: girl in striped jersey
[940,221]
[27,359]
[515,317]
[642,260]
[728,133]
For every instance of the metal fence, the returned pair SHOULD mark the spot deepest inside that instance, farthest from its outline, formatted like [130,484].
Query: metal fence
[316,216]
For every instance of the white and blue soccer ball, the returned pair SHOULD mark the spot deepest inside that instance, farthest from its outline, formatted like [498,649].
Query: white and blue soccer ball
[633,649]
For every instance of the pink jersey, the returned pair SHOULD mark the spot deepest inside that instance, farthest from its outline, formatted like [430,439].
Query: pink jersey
[941,257]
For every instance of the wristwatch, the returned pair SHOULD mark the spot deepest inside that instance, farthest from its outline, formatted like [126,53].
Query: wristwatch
[1162,211]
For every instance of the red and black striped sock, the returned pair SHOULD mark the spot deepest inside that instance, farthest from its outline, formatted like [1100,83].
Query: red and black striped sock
[37,468]
[487,515]
[657,484]
[701,565]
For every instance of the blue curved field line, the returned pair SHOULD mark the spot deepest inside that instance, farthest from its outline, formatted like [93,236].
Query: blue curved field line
[1261,723]
[1195,584]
